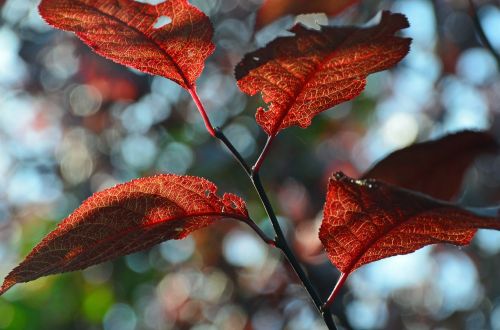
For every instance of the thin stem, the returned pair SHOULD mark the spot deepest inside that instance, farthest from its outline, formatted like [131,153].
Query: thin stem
[335,291]
[482,35]
[202,111]
[280,241]
[259,232]
[220,135]
[283,246]
[263,154]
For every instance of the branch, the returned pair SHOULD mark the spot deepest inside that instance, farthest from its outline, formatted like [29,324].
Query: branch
[280,241]
[259,232]
[283,246]
[220,135]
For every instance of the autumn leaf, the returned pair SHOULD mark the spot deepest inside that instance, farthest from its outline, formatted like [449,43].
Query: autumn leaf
[272,10]
[302,75]
[367,220]
[436,167]
[171,39]
[127,218]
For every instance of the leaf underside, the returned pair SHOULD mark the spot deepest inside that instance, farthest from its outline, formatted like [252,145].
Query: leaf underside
[435,168]
[367,220]
[124,219]
[125,31]
[271,10]
[310,72]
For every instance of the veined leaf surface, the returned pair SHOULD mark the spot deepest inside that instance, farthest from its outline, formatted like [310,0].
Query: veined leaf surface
[171,39]
[367,220]
[310,72]
[127,218]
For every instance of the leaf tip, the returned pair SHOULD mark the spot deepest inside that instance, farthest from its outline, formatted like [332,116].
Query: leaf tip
[7,284]
[234,204]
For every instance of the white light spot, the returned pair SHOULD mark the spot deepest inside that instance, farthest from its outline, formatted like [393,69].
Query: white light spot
[312,21]
[244,250]
[162,21]
[400,130]
[477,65]
[488,241]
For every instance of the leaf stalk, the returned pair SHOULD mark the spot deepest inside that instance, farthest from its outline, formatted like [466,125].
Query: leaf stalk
[263,154]
[282,244]
[335,291]
[194,95]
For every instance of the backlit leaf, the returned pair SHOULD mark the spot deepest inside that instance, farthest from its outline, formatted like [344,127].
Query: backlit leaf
[171,39]
[367,220]
[436,167]
[272,10]
[310,72]
[127,218]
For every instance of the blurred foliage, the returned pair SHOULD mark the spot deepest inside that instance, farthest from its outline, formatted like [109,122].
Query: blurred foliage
[72,123]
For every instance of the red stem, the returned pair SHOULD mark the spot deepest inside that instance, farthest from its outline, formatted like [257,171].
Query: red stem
[336,290]
[263,154]
[202,111]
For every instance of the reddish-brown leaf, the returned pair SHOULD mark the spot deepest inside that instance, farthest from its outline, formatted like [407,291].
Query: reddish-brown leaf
[127,218]
[130,33]
[367,220]
[436,167]
[272,10]
[303,75]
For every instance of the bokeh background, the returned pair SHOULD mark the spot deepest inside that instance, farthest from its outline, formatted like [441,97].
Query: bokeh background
[72,123]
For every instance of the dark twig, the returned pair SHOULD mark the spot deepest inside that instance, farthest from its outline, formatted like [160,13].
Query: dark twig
[280,240]
[220,135]
[258,231]
[283,246]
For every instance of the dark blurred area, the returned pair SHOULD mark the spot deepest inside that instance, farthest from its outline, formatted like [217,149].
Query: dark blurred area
[73,123]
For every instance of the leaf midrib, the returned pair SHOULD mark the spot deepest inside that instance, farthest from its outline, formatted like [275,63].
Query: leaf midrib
[125,231]
[276,127]
[148,38]
[385,233]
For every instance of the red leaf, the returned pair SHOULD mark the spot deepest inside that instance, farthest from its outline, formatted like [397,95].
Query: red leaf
[272,10]
[436,167]
[127,218]
[128,32]
[367,220]
[303,75]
